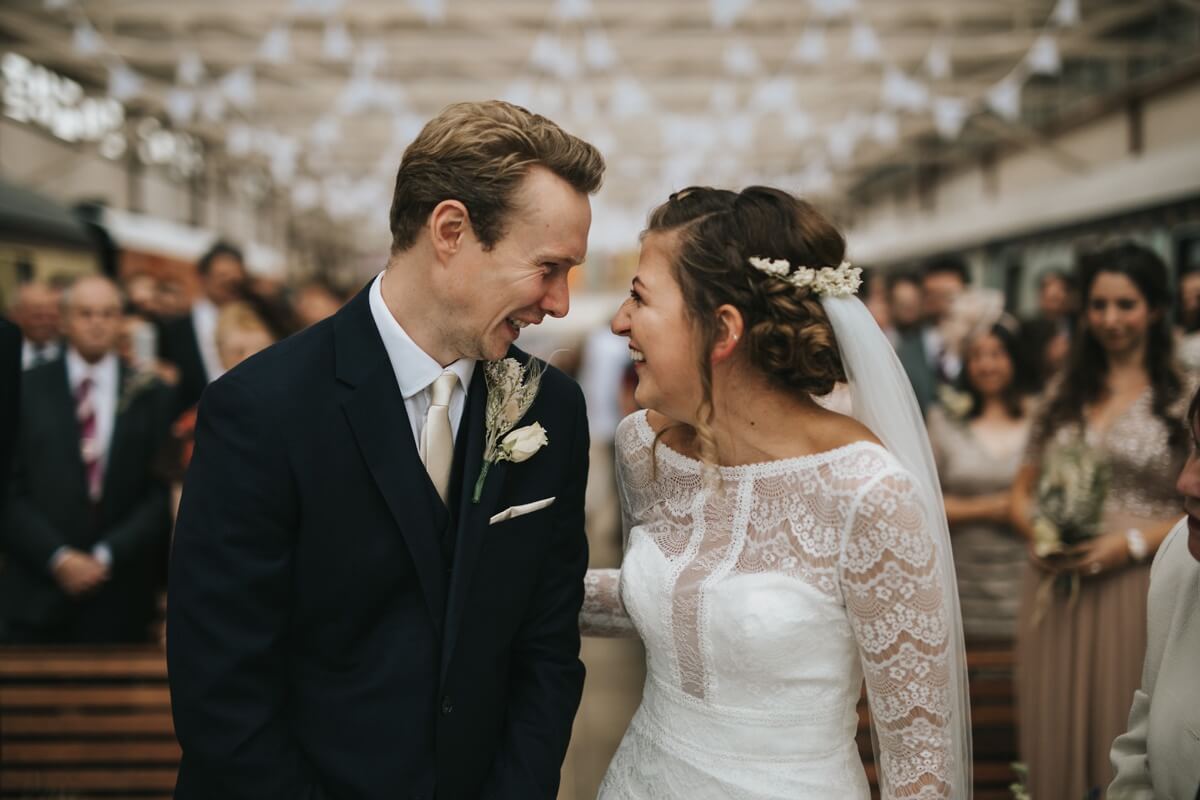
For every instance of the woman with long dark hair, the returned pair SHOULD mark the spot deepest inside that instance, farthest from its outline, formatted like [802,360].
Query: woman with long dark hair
[1094,500]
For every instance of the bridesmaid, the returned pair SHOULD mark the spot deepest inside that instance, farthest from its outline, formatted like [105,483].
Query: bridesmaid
[978,450]
[1079,654]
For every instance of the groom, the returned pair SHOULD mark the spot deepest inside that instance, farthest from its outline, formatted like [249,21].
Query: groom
[345,620]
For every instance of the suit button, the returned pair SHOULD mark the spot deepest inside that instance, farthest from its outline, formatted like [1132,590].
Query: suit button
[447,705]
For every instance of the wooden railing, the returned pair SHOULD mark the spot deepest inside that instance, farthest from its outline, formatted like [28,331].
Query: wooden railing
[86,723]
[82,723]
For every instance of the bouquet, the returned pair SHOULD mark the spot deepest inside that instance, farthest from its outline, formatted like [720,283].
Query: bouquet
[1071,488]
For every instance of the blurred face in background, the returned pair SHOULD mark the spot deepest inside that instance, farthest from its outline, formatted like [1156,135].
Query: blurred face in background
[225,279]
[36,313]
[141,293]
[171,298]
[989,367]
[92,317]
[1054,298]
[315,303]
[1118,314]
[238,345]
[940,289]
[1189,300]
[877,303]
[906,304]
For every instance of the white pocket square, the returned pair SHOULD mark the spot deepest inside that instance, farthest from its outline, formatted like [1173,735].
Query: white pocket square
[517,511]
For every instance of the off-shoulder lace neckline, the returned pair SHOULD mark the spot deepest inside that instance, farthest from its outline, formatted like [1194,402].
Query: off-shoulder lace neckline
[758,468]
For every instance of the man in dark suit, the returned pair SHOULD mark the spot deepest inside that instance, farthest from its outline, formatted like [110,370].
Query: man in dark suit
[345,620]
[10,397]
[190,342]
[86,522]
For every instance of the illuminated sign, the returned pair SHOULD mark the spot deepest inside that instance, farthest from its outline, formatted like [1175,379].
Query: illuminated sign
[36,95]
[41,97]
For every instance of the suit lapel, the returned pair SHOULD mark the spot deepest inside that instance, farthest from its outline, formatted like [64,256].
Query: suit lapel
[375,410]
[472,517]
[116,449]
[68,426]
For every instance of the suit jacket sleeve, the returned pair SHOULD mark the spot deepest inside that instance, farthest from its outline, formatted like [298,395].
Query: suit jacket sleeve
[1128,754]
[25,533]
[547,675]
[228,606]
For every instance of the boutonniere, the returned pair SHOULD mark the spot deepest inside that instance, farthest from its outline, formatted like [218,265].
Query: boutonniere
[511,391]
[134,384]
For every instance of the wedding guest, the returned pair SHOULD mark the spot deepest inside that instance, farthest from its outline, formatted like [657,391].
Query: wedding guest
[1118,410]
[978,448]
[1046,337]
[86,524]
[241,332]
[190,342]
[36,313]
[1189,319]
[1159,755]
[942,281]
[874,294]
[906,335]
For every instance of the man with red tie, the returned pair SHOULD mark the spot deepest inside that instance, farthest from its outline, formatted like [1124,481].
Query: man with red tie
[86,523]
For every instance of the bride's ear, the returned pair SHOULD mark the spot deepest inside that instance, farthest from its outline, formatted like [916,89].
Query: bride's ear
[730,326]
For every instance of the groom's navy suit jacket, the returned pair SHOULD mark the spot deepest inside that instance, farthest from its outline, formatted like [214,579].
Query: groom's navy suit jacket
[333,630]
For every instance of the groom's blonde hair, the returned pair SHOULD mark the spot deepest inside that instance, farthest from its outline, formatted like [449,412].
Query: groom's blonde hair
[478,153]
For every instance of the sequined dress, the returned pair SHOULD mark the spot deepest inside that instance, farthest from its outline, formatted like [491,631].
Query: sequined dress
[1079,664]
[764,600]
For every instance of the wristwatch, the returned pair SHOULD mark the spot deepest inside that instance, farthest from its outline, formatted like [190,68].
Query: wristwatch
[1136,543]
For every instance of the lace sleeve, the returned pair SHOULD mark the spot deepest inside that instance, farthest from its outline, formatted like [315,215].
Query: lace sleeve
[603,613]
[892,589]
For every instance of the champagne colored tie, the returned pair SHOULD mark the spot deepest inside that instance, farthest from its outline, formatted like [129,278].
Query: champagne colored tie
[437,439]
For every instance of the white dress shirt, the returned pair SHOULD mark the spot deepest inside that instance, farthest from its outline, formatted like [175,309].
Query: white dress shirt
[40,352]
[204,323]
[416,370]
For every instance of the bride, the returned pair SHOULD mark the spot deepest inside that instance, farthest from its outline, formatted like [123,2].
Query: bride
[777,553]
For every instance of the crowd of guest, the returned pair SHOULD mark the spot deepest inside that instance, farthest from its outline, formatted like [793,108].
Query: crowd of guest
[111,372]
[1058,439]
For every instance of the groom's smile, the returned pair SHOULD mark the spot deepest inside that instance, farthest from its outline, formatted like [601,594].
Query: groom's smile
[523,278]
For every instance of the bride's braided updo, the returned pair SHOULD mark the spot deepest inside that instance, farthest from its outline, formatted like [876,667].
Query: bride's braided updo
[787,336]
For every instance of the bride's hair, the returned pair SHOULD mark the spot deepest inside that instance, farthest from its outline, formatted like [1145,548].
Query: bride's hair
[787,336]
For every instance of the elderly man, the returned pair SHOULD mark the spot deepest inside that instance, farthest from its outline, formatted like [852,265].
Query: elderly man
[86,523]
[36,313]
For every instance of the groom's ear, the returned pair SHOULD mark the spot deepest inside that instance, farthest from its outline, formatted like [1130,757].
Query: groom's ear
[449,225]
[730,326]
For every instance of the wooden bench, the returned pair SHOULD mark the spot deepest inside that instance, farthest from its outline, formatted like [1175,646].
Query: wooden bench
[83,722]
[993,721]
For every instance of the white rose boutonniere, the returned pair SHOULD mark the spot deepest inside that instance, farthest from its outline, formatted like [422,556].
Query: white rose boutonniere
[511,392]
[523,443]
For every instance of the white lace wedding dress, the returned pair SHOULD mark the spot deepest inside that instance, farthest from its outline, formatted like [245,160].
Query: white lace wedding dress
[763,600]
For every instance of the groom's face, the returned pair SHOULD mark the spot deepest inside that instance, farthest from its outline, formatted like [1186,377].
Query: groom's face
[523,278]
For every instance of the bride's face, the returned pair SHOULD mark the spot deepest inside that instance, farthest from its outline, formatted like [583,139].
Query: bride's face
[661,340]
